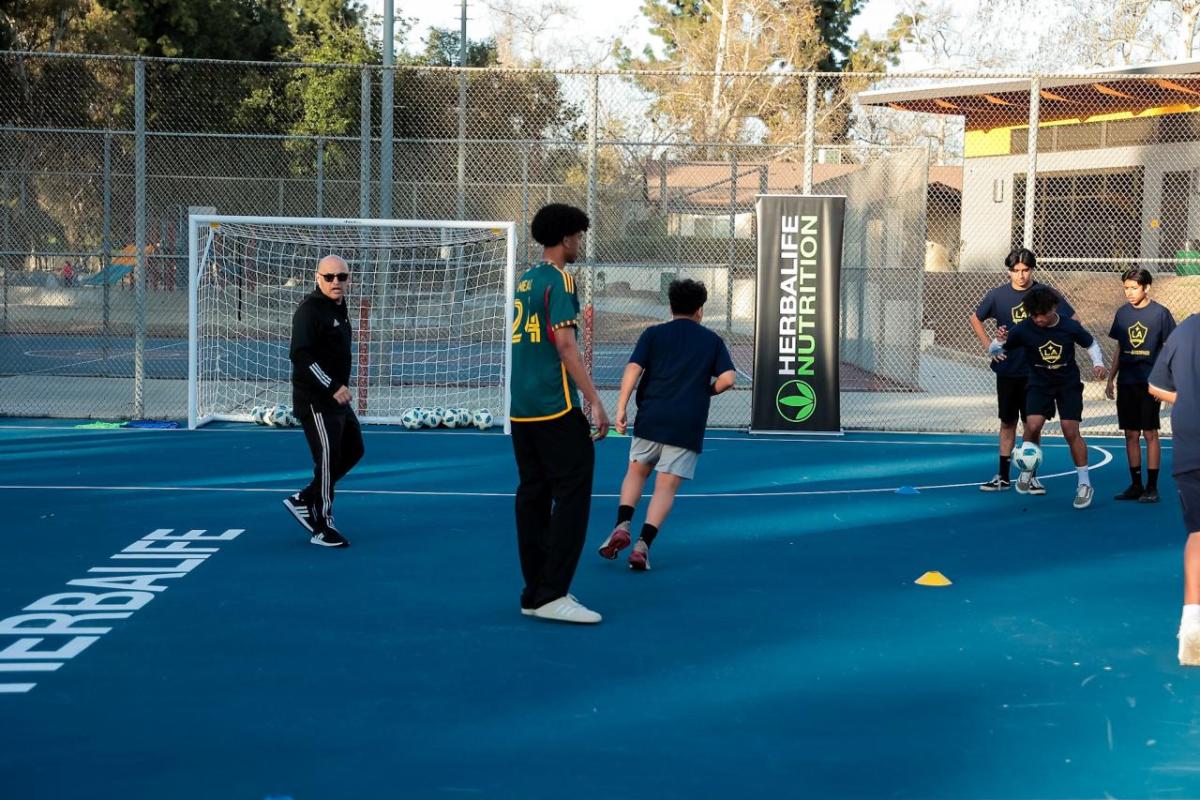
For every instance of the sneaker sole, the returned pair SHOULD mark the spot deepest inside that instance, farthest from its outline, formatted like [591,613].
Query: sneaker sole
[296,516]
[319,543]
[639,564]
[612,547]
[994,488]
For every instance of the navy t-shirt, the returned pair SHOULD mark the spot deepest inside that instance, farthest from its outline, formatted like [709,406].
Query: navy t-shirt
[1050,352]
[1178,370]
[1003,306]
[1140,333]
[679,359]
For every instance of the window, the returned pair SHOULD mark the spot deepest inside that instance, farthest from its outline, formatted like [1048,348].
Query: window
[1083,214]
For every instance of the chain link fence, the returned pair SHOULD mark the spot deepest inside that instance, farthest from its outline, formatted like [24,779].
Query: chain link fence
[101,159]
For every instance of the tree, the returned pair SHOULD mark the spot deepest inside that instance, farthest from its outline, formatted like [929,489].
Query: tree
[752,52]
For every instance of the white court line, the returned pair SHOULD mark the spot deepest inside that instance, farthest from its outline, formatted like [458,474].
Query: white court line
[1166,444]
[1108,457]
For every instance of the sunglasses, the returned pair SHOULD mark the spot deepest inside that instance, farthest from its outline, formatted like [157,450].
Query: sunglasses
[328,277]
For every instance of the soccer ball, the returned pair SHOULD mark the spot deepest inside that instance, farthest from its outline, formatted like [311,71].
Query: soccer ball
[457,418]
[1027,457]
[292,420]
[436,416]
[482,419]
[411,419]
[449,418]
[277,416]
[258,415]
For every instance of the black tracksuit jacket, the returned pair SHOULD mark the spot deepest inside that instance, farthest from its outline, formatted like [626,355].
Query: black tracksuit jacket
[320,351]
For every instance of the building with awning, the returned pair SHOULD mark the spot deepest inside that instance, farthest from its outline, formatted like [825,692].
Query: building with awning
[1117,158]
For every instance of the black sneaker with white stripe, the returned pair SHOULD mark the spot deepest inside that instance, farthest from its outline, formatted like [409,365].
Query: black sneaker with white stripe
[300,510]
[330,538]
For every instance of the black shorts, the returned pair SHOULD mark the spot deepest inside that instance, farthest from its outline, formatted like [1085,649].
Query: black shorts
[1188,484]
[1137,410]
[1041,399]
[1010,398]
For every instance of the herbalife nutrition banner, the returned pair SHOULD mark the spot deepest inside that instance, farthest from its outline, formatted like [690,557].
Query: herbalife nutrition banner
[796,328]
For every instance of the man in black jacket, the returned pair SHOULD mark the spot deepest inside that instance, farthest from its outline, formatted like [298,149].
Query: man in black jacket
[320,355]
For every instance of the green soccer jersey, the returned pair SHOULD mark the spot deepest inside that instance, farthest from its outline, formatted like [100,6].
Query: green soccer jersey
[545,306]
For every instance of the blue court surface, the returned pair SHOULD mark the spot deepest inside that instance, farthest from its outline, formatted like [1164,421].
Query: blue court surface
[779,648]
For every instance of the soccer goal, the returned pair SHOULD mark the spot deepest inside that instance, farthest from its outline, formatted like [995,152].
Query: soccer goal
[429,301]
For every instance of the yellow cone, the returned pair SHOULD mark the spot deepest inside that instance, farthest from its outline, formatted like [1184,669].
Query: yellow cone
[934,578]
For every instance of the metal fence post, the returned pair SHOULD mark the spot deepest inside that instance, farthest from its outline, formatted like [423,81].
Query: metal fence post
[733,191]
[592,166]
[139,239]
[1035,103]
[320,176]
[523,233]
[6,211]
[364,155]
[106,237]
[386,115]
[810,133]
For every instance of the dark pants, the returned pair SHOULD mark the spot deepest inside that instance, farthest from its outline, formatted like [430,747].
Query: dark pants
[555,460]
[335,440]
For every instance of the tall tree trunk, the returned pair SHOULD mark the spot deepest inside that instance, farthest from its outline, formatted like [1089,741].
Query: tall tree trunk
[714,103]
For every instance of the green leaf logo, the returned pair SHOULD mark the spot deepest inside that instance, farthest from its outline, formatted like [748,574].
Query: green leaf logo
[796,401]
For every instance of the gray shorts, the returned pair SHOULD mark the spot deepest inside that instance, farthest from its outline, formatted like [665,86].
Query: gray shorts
[664,457]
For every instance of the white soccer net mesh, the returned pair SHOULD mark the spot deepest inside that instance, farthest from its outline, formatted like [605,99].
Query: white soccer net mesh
[427,301]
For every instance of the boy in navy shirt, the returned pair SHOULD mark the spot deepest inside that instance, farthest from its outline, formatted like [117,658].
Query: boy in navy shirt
[1141,327]
[1048,341]
[1176,379]
[671,366]
[1003,306]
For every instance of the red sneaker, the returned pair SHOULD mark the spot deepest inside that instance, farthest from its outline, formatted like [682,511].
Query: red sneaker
[617,541]
[639,559]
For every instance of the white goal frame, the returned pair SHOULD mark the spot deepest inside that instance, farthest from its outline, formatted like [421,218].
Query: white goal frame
[197,221]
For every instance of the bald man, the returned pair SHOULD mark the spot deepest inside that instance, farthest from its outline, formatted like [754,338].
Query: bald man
[320,355]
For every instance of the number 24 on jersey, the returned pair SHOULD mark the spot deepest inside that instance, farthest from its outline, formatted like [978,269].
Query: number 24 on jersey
[532,325]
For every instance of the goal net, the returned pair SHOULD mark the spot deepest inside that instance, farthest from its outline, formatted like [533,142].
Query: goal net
[428,301]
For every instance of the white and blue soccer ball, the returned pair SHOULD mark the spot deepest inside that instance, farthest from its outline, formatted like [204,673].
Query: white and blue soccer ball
[482,419]
[258,415]
[292,420]
[411,419]
[1027,457]
[277,416]
[436,416]
[457,418]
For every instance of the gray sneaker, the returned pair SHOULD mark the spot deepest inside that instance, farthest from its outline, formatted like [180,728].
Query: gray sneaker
[1023,482]
[1083,496]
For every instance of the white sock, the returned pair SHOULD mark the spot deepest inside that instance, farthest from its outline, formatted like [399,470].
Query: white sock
[1191,615]
[1084,478]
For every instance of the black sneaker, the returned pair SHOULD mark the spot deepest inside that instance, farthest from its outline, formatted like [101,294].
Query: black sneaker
[996,484]
[1132,492]
[1149,496]
[330,538]
[299,510]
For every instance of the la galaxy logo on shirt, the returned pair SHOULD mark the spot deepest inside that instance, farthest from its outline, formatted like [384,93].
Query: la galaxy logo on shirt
[1019,313]
[1051,352]
[1137,334]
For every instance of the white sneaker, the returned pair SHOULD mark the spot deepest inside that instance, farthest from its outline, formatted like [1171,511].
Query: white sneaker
[1023,481]
[567,609]
[529,612]
[1189,645]
[1083,496]
[1035,486]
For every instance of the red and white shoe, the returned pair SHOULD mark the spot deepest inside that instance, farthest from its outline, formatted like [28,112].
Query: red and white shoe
[639,559]
[617,541]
